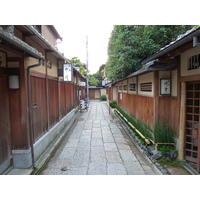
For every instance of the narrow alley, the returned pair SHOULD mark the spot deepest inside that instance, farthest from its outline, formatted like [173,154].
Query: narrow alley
[98,145]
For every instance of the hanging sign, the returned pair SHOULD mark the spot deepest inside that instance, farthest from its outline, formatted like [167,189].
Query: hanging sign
[165,86]
[67,72]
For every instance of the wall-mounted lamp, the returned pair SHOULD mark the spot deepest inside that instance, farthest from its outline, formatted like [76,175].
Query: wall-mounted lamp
[13,82]
[49,64]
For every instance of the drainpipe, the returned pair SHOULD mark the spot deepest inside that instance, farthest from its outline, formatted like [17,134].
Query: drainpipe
[30,110]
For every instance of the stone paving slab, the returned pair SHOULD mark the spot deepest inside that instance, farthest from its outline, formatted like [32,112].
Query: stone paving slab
[97,142]
[113,157]
[116,169]
[110,147]
[96,168]
[97,146]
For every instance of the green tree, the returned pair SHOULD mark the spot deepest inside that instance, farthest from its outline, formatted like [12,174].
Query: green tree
[93,81]
[77,63]
[97,74]
[130,44]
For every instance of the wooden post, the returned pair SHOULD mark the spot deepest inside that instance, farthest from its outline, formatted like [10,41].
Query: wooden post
[47,93]
[156,96]
[198,153]
[59,99]
[182,121]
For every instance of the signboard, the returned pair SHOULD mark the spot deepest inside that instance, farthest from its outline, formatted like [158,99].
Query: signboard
[67,72]
[165,86]
[82,84]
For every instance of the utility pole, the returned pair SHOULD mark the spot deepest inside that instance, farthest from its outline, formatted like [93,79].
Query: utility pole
[87,82]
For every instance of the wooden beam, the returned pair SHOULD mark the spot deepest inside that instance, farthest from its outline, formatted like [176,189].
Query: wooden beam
[10,50]
[182,122]
[156,94]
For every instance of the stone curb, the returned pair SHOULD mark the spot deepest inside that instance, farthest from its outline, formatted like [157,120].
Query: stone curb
[46,155]
[158,168]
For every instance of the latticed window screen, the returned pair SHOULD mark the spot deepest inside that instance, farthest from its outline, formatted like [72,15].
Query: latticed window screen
[146,87]
[132,87]
[125,87]
[194,62]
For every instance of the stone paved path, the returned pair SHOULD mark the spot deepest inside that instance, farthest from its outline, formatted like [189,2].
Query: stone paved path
[97,145]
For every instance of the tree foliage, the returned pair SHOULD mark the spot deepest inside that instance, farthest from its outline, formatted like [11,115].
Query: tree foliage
[77,63]
[130,44]
[97,74]
[93,80]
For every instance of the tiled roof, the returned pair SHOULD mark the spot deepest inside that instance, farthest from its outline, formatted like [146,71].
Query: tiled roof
[183,38]
[20,44]
[46,42]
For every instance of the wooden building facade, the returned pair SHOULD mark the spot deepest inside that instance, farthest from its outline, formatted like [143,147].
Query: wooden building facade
[36,104]
[167,89]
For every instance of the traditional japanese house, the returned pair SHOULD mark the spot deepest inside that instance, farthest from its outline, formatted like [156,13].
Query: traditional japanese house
[167,89]
[37,103]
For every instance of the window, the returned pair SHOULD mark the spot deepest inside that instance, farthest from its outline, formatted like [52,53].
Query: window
[132,87]
[194,62]
[125,87]
[146,87]
[120,87]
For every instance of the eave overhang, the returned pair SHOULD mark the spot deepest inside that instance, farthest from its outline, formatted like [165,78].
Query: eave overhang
[20,44]
[181,40]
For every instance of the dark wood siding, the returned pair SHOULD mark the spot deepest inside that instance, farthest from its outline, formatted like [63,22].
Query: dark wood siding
[168,111]
[109,92]
[141,107]
[91,93]
[62,99]
[53,102]
[145,110]
[38,88]
[5,129]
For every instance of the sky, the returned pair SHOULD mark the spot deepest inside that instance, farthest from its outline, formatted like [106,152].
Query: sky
[74,43]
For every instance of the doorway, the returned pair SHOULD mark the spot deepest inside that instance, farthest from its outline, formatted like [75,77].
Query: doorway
[192,123]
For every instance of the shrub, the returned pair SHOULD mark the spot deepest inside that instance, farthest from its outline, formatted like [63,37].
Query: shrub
[113,104]
[139,125]
[163,133]
[166,148]
[103,97]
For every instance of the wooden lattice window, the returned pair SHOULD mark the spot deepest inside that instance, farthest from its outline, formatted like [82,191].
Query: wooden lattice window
[194,62]
[125,87]
[146,87]
[120,87]
[132,87]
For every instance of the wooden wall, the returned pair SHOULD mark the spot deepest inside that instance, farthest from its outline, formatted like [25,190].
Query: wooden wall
[40,120]
[140,107]
[53,99]
[145,110]
[91,93]
[109,92]
[53,102]
[5,129]
[168,111]
[63,100]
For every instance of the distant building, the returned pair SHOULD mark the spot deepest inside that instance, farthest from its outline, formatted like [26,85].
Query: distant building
[95,92]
